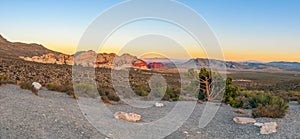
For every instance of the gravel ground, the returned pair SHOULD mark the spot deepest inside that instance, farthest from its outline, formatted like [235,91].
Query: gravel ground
[56,115]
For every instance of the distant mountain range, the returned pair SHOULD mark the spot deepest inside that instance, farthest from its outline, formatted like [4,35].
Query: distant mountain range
[17,49]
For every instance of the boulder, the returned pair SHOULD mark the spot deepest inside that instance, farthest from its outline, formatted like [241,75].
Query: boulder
[37,85]
[130,117]
[157,104]
[269,128]
[243,120]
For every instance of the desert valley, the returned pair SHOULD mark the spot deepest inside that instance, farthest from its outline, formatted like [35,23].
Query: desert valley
[55,113]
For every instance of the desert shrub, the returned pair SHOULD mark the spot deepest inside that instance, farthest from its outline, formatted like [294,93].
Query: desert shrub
[26,86]
[108,94]
[3,79]
[86,90]
[266,105]
[272,111]
[141,90]
[66,88]
[105,99]
[171,94]
[113,96]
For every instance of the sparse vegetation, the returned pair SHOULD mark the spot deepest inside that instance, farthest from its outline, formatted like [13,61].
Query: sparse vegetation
[26,85]
[141,90]
[171,94]
[3,79]
[66,88]
[231,95]
[266,105]
[29,86]
[107,94]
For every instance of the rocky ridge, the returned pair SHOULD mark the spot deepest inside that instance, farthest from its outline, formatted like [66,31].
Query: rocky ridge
[91,59]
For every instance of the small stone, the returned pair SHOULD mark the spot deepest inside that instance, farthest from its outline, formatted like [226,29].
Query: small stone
[243,120]
[259,124]
[185,132]
[157,104]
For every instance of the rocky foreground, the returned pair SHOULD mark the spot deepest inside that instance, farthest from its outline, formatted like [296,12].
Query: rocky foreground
[56,115]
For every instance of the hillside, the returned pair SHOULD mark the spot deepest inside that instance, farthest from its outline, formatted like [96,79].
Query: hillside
[16,49]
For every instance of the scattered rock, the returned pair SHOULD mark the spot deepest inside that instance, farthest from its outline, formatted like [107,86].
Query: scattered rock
[37,85]
[130,117]
[259,124]
[157,104]
[243,120]
[185,132]
[240,111]
[269,128]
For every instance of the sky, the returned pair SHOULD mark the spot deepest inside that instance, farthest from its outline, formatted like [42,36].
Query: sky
[260,30]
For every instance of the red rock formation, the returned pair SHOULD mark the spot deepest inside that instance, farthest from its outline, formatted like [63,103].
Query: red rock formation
[91,59]
[140,64]
[156,65]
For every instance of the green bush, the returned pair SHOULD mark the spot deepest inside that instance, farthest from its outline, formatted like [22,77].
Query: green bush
[231,94]
[171,94]
[299,100]
[266,105]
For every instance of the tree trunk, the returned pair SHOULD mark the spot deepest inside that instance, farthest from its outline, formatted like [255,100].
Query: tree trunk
[207,91]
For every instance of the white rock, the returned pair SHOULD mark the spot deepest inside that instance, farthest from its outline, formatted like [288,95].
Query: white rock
[185,132]
[157,104]
[37,85]
[243,120]
[259,124]
[130,117]
[269,128]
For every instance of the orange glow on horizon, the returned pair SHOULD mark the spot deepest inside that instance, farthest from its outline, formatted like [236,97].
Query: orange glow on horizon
[228,55]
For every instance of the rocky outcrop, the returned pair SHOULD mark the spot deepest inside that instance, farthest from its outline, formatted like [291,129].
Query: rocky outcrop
[156,65]
[130,117]
[91,59]
[85,59]
[51,59]
[140,64]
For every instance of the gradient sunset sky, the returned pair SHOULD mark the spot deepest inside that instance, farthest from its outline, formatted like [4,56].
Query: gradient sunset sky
[261,30]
